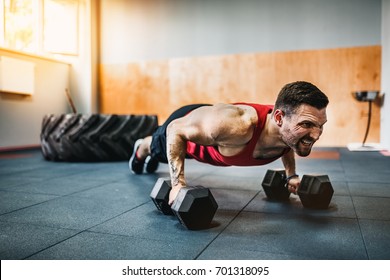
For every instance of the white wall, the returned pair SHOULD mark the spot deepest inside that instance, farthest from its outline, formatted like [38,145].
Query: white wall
[83,72]
[21,115]
[385,116]
[189,28]
[134,30]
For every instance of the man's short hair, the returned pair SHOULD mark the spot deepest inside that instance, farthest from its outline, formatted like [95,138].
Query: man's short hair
[292,95]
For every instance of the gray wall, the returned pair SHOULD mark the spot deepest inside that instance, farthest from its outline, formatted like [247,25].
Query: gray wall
[135,30]
[385,116]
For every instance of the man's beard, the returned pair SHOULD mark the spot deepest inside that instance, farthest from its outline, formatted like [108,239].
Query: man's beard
[303,146]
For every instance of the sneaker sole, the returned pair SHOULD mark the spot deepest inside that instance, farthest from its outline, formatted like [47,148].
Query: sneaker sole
[136,146]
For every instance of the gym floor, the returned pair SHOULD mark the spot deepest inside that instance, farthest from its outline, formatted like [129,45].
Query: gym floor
[59,210]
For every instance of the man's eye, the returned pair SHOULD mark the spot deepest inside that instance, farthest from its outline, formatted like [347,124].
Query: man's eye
[306,125]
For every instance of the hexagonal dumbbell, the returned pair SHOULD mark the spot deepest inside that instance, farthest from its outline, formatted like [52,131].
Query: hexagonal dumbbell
[160,195]
[194,207]
[274,185]
[315,191]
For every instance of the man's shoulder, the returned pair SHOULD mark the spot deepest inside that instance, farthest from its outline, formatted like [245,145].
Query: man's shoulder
[255,105]
[249,111]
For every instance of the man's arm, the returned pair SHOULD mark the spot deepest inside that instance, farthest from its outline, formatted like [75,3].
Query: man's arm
[220,124]
[288,160]
[176,151]
[192,127]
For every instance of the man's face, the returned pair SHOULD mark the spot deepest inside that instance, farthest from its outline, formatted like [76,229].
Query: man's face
[303,128]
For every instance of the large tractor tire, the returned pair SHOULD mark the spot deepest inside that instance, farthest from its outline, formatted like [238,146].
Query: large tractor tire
[95,137]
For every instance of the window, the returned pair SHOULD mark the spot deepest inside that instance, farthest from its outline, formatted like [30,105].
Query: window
[40,26]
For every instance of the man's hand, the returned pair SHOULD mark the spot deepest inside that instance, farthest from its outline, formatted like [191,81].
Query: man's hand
[173,193]
[293,185]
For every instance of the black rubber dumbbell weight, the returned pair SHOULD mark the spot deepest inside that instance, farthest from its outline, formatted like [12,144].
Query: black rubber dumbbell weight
[160,195]
[274,185]
[194,207]
[315,191]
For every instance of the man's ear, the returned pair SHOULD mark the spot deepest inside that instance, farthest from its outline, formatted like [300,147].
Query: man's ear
[278,117]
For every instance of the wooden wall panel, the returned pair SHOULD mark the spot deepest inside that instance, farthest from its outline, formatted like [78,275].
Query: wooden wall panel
[159,87]
[136,88]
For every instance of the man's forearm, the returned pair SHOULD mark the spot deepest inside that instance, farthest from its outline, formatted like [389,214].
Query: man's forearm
[289,163]
[176,164]
[176,151]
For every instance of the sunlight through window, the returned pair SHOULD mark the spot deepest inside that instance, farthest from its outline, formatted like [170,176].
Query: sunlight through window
[40,26]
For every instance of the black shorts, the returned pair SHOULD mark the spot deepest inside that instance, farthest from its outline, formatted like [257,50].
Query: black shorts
[158,147]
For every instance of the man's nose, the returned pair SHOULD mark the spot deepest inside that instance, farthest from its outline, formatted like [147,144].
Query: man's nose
[316,133]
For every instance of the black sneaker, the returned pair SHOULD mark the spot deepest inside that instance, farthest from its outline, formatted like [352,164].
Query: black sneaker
[135,165]
[151,164]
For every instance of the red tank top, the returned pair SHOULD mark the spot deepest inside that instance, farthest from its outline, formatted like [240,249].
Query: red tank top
[211,155]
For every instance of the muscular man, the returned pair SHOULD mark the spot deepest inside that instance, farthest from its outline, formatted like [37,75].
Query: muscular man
[239,134]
